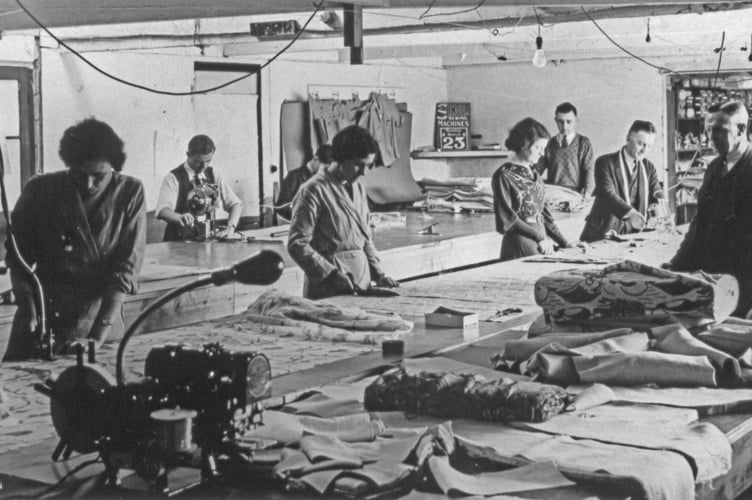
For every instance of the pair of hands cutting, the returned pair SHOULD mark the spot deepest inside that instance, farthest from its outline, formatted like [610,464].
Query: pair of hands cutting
[547,246]
[341,282]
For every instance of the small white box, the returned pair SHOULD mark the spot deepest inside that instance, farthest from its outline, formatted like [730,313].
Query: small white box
[451,318]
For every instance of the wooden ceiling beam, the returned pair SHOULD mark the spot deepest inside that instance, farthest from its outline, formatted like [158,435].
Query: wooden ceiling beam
[91,12]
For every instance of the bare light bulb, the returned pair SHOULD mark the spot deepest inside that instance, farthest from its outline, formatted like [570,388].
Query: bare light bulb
[539,57]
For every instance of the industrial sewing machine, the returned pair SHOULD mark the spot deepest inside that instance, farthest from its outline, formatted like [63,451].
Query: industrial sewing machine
[202,201]
[186,420]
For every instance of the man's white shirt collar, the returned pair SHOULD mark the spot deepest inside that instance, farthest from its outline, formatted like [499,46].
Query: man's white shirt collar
[192,174]
[570,138]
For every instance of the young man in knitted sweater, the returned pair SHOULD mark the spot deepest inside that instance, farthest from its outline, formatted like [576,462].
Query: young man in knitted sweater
[568,160]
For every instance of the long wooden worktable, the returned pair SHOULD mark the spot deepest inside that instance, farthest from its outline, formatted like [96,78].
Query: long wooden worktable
[488,290]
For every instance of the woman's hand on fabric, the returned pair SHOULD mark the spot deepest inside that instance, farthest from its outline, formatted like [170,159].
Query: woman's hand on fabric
[386,282]
[337,281]
[546,246]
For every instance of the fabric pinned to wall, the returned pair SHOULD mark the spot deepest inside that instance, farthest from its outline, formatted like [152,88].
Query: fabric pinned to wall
[390,124]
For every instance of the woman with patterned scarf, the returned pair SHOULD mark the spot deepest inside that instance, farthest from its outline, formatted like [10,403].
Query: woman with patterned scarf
[519,196]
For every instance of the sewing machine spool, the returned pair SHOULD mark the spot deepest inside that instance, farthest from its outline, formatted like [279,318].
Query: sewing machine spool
[174,429]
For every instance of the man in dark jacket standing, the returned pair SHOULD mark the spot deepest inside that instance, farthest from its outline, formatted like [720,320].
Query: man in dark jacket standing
[719,239]
[625,184]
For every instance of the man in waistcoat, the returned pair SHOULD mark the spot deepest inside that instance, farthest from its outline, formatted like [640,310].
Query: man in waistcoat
[626,183]
[173,205]
[568,158]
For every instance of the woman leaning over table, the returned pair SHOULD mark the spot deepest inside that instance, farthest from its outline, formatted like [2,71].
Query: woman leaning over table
[519,196]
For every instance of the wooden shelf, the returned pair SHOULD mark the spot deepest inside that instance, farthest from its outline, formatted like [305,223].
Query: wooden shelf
[436,155]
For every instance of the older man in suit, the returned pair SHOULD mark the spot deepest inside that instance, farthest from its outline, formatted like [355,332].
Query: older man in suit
[625,184]
[719,240]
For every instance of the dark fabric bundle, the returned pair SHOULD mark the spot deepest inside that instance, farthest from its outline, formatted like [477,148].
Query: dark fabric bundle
[459,395]
[505,399]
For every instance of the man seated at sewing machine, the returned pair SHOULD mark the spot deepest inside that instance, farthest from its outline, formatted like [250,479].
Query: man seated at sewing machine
[190,193]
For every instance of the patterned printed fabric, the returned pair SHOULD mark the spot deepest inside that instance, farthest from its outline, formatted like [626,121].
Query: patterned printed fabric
[630,290]
[528,191]
[462,395]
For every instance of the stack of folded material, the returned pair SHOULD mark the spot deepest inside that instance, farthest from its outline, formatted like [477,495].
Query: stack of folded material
[460,395]
[630,293]
[456,194]
[565,199]
[666,356]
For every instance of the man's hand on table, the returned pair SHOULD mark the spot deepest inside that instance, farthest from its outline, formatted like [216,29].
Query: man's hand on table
[635,219]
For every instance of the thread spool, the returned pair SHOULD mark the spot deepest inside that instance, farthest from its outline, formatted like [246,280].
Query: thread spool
[174,429]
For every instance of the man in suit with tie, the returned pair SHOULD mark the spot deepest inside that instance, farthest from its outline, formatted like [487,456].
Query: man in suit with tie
[626,183]
[719,239]
[173,204]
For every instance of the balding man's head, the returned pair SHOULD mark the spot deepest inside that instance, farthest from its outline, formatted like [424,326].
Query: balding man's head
[728,127]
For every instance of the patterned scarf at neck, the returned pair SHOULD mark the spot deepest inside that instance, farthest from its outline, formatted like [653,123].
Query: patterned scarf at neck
[520,170]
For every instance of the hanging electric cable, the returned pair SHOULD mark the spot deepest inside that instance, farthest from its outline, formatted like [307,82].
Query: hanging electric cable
[167,92]
[635,56]
[719,50]
[43,336]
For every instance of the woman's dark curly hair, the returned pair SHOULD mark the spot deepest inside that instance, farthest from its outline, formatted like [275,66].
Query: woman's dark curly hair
[353,143]
[524,133]
[89,140]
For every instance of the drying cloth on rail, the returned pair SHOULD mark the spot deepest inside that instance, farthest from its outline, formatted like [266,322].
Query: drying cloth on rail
[279,313]
[630,289]
[464,395]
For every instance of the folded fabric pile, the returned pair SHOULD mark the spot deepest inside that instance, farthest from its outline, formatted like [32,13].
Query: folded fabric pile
[459,395]
[565,199]
[667,356]
[278,313]
[456,195]
[630,294]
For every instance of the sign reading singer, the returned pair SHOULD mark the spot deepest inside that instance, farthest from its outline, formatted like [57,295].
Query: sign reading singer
[452,126]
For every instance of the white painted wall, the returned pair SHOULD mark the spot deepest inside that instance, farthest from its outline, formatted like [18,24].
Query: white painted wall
[609,96]
[155,128]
